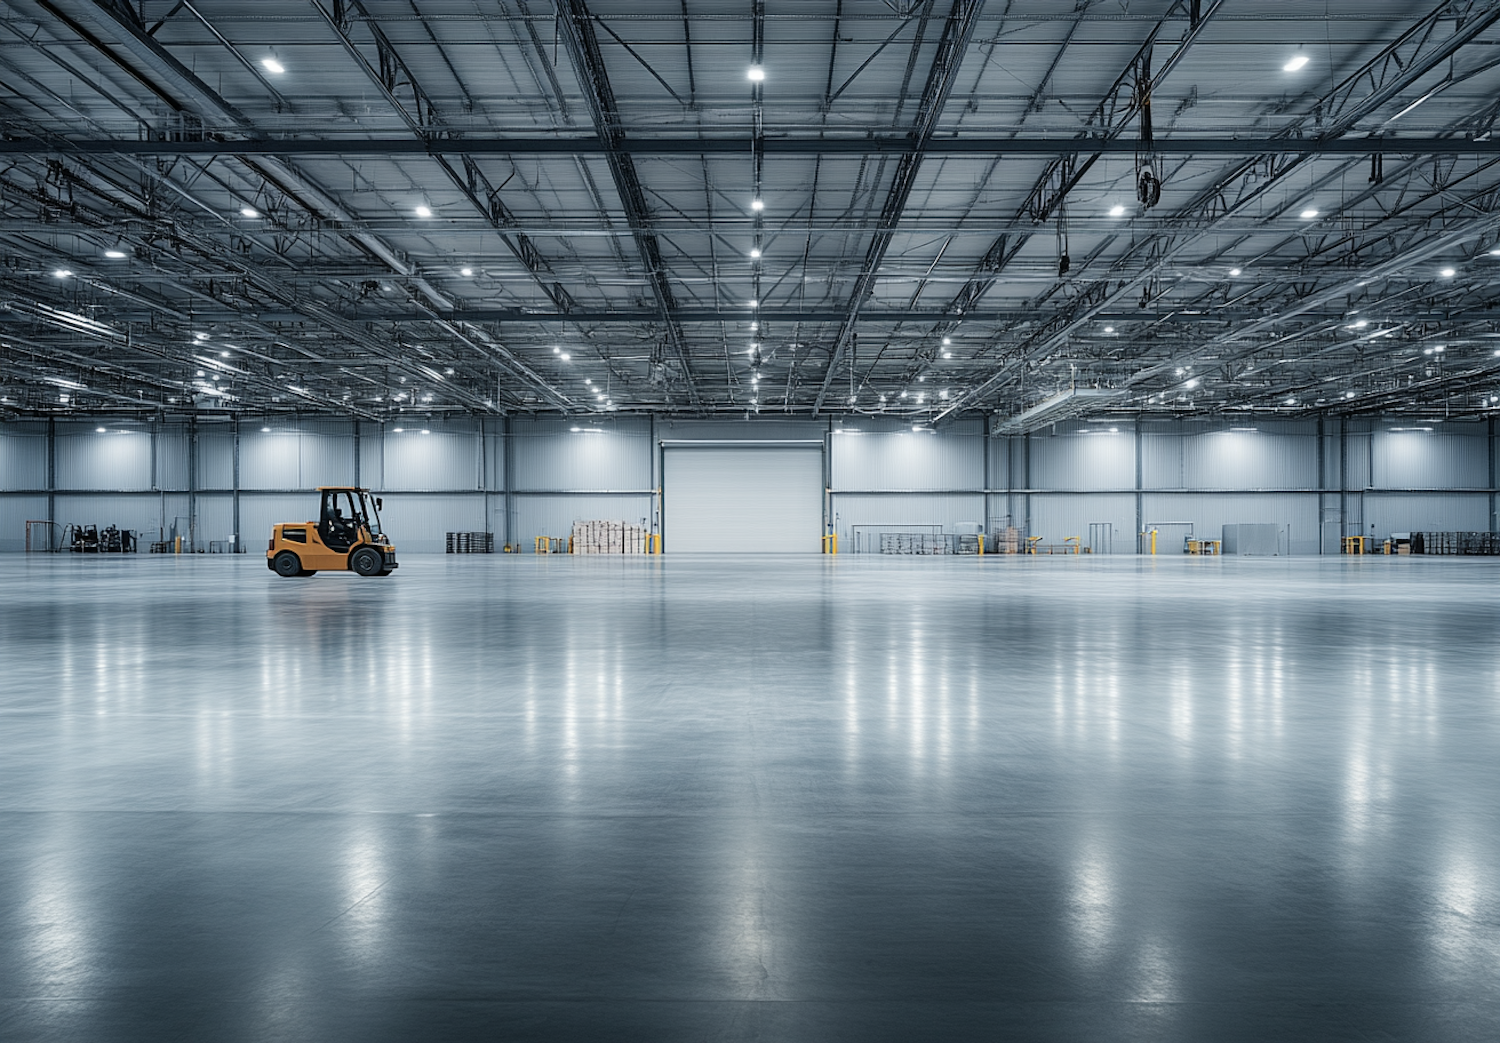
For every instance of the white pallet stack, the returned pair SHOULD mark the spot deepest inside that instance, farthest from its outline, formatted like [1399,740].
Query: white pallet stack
[608,537]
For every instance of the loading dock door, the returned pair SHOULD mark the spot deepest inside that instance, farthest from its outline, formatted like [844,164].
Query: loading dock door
[738,499]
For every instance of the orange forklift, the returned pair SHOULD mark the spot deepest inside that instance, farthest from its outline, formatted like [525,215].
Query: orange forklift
[346,538]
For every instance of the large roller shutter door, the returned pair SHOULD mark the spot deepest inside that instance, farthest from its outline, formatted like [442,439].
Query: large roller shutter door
[742,499]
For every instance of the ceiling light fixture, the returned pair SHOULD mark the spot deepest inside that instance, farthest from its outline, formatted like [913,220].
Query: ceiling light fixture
[1448,273]
[115,255]
[1234,273]
[755,253]
[1296,63]
[61,273]
[757,205]
[565,356]
[466,272]
[247,211]
[1117,211]
[1309,214]
[756,74]
[272,66]
[424,211]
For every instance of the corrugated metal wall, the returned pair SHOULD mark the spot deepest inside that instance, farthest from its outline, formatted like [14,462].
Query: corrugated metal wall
[1429,512]
[885,456]
[1210,512]
[454,477]
[1057,517]
[15,511]
[557,455]
[23,456]
[1262,457]
[1084,457]
[417,523]
[116,458]
[1453,458]
[429,458]
[554,515]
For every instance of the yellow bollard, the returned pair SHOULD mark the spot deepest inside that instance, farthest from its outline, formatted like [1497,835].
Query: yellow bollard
[1153,542]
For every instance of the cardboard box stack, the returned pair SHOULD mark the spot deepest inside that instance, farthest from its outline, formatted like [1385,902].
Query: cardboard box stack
[608,537]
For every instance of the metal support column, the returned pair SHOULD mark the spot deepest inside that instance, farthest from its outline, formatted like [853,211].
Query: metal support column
[51,479]
[508,454]
[1140,516]
[1491,443]
[192,484]
[1322,484]
[987,481]
[1026,480]
[484,475]
[235,462]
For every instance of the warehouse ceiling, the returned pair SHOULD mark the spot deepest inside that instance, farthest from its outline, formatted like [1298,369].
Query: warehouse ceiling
[1032,209]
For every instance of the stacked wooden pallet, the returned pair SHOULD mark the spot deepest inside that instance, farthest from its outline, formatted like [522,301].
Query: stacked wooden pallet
[608,537]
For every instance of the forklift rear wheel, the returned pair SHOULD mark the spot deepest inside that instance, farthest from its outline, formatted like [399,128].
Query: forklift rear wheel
[287,565]
[367,561]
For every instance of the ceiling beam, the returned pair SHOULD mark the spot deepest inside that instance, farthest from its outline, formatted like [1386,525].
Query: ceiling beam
[958,30]
[875,145]
[577,29]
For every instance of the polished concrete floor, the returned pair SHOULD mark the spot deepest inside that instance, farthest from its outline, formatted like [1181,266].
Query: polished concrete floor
[511,798]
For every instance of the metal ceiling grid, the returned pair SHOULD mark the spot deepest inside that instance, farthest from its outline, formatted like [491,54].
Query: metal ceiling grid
[529,205]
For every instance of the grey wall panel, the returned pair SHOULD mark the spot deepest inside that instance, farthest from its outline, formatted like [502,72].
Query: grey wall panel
[945,509]
[554,515]
[447,458]
[1452,457]
[874,454]
[417,523]
[1431,512]
[605,454]
[215,457]
[138,511]
[117,458]
[1084,457]
[171,456]
[171,508]
[1210,512]
[494,455]
[216,522]
[325,454]
[15,512]
[371,455]
[23,455]
[1000,476]
[269,460]
[1248,459]
[1057,516]
[1358,460]
[1162,465]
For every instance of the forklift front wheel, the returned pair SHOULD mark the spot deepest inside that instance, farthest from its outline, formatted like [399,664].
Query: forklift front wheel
[287,565]
[367,561]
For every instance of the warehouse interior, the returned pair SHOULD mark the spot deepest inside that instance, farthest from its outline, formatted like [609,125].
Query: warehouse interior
[900,519]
